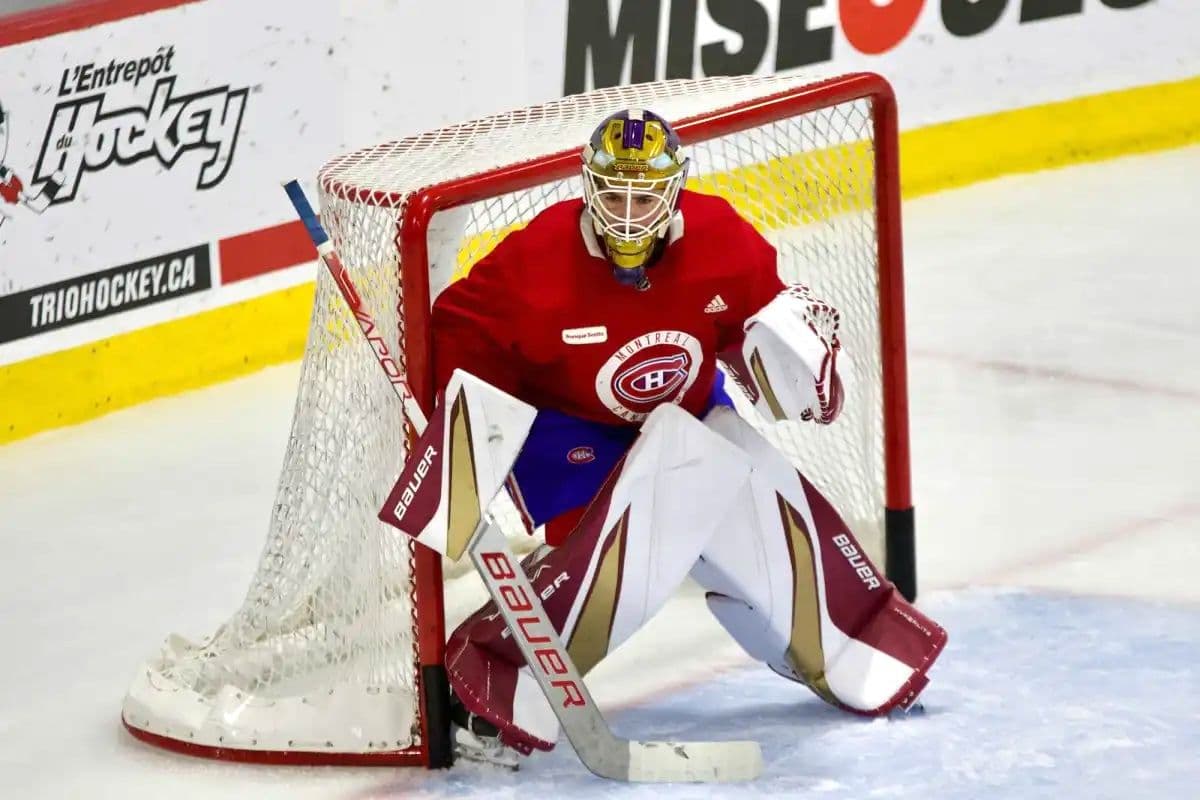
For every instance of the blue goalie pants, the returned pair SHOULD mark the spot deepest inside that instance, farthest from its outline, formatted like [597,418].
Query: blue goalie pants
[566,459]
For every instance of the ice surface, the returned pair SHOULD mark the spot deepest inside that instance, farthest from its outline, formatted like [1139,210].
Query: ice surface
[1055,398]
[1037,697]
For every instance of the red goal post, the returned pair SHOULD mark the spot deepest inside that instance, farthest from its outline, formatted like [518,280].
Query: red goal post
[336,656]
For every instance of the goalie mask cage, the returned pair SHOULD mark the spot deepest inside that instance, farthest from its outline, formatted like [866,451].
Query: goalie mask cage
[335,656]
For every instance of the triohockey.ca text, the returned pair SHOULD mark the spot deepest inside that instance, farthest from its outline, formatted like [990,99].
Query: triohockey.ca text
[136,285]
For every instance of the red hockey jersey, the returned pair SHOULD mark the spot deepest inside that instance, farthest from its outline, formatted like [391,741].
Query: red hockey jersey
[542,317]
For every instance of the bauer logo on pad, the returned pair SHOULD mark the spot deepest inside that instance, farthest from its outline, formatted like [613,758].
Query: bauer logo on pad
[593,335]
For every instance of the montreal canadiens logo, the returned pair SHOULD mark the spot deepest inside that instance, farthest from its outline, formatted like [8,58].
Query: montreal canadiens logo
[581,455]
[652,369]
[653,380]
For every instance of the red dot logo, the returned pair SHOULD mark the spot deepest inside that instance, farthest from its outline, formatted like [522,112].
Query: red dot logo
[876,26]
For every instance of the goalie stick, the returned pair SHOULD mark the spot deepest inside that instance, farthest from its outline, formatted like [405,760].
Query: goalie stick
[598,748]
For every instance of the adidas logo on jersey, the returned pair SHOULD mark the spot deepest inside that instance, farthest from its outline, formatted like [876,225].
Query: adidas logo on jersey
[716,305]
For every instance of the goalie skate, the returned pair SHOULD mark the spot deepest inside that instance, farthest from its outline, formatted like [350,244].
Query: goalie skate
[476,739]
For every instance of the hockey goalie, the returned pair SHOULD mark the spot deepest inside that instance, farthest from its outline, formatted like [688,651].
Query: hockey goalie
[608,314]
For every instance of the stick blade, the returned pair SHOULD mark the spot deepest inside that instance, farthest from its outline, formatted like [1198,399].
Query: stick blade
[694,762]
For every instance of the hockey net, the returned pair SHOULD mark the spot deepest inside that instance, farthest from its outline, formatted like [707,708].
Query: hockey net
[328,659]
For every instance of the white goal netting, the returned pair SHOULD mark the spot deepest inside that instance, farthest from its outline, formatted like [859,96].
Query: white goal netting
[321,657]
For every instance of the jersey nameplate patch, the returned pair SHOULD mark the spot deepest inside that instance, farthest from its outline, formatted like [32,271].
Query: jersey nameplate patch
[593,335]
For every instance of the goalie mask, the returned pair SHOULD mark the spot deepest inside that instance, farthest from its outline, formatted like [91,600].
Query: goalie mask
[633,169]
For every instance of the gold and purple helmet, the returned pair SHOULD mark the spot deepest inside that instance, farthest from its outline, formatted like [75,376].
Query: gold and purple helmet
[633,169]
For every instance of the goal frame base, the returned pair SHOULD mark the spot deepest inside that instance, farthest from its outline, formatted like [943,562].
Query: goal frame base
[306,758]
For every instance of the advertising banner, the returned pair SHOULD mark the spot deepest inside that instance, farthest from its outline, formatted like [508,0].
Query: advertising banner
[140,158]
[130,150]
[131,141]
[947,59]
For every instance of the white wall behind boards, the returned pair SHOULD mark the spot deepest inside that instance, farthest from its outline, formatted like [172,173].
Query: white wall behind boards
[167,132]
[948,59]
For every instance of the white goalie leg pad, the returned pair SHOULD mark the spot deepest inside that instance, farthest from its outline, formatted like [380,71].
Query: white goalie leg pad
[633,547]
[745,569]
[782,583]
[675,486]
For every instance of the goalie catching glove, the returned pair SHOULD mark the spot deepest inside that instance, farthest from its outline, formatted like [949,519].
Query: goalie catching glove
[788,361]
